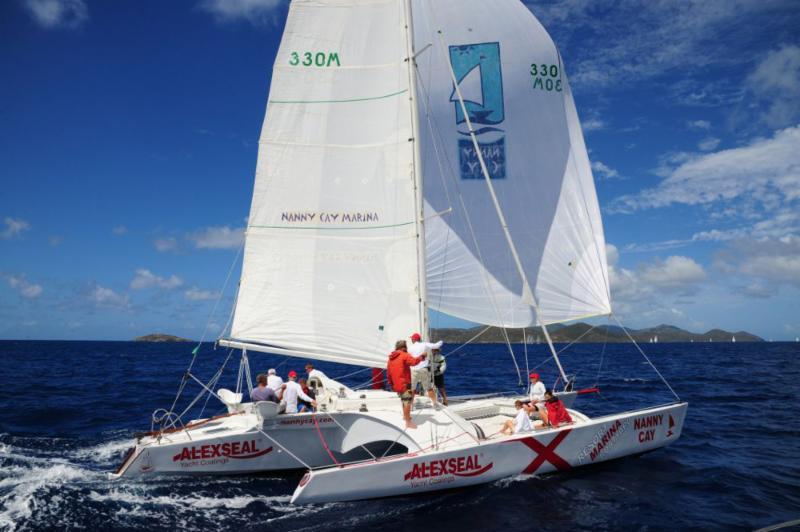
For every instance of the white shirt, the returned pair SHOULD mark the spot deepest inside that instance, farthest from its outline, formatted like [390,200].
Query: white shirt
[315,373]
[274,382]
[522,422]
[418,348]
[537,392]
[290,395]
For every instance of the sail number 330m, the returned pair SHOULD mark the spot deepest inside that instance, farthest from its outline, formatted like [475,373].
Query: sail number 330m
[315,59]
[545,77]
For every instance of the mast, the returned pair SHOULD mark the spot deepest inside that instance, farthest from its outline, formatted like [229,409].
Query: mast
[416,175]
[527,293]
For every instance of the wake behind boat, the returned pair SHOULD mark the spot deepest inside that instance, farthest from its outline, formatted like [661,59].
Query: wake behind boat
[415,155]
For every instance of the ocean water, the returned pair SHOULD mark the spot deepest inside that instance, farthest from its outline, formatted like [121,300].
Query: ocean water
[68,410]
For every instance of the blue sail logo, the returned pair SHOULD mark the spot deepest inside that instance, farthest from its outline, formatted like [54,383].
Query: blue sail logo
[478,70]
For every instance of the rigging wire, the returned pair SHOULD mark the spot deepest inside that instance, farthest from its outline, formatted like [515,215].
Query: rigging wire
[645,356]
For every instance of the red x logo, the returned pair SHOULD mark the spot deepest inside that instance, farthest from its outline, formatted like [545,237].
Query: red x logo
[547,453]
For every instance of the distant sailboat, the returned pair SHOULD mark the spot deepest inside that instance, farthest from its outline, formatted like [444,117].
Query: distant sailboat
[733,339]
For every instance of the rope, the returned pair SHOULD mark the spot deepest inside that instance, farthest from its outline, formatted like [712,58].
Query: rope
[646,358]
[322,439]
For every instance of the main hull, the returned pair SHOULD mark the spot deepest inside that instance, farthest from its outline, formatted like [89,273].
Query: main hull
[539,452]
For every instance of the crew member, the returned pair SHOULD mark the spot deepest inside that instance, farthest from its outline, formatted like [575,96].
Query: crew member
[398,371]
[273,380]
[520,423]
[439,365]
[314,373]
[292,391]
[421,374]
[536,406]
[263,392]
[556,411]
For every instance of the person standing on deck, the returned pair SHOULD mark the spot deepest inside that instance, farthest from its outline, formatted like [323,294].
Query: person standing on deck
[421,373]
[273,380]
[291,391]
[438,366]
[399,374]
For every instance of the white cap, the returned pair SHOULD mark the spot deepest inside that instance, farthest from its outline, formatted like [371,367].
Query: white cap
[271,371]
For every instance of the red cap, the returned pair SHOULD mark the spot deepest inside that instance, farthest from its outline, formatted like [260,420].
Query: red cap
[292,373]
[416,337]
[534,375]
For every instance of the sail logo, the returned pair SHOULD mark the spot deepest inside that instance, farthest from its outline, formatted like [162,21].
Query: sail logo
[478,70]
[238,449]
[463,466]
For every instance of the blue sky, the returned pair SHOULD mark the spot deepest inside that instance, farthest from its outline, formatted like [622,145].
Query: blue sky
[128,135]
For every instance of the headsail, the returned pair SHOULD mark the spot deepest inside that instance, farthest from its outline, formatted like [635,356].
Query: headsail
[330,264]
[531,141]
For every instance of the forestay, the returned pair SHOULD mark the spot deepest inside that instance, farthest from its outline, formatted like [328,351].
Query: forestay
[521,109]
[330,262]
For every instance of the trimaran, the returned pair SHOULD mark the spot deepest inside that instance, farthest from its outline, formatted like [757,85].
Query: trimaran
[415,155]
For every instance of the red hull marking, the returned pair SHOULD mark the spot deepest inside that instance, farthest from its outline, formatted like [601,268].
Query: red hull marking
[475,473]
[254,455]
[546,453]
[671,424]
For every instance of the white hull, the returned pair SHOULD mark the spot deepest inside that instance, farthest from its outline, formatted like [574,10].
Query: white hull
[244,441]
[582,443]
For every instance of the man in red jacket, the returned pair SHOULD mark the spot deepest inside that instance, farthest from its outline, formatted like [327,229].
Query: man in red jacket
[556,411]
[398,371]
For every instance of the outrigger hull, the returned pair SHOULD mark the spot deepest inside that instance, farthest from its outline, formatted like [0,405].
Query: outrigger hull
[546,451]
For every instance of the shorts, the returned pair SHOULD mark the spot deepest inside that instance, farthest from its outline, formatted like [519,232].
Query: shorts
[421,377]
[406,396]
[438,380]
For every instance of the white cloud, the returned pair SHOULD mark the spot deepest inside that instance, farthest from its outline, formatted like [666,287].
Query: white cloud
[55,240]
[120,230]
[653,289]
[699,125]
[675,38]
[165,244]
[14,227]
[103,297]
[593,124]
[58,13]
[25,288]
[195,294]
[767,172]
[218,237]
[775,86]
[675,271]
[604,171]
[145,279]
[254,11]
[708,144]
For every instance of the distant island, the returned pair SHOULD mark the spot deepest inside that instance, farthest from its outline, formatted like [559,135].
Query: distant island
[158,337]
[583,333]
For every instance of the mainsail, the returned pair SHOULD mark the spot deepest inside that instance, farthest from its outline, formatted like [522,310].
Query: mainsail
[333,265]
[530,138]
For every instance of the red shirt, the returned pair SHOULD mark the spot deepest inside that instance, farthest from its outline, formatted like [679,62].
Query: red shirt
[398,370]
[556,413]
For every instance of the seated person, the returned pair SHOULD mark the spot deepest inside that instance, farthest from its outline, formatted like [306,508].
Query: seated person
[535,406]
[304,406]
[314,373]
[263,392]
[520,423]
[556,411]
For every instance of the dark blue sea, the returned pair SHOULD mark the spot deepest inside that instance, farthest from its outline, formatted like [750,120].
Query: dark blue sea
[68,411]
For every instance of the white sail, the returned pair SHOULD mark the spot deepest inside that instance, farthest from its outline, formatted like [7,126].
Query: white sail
[331,264]
[531,141]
